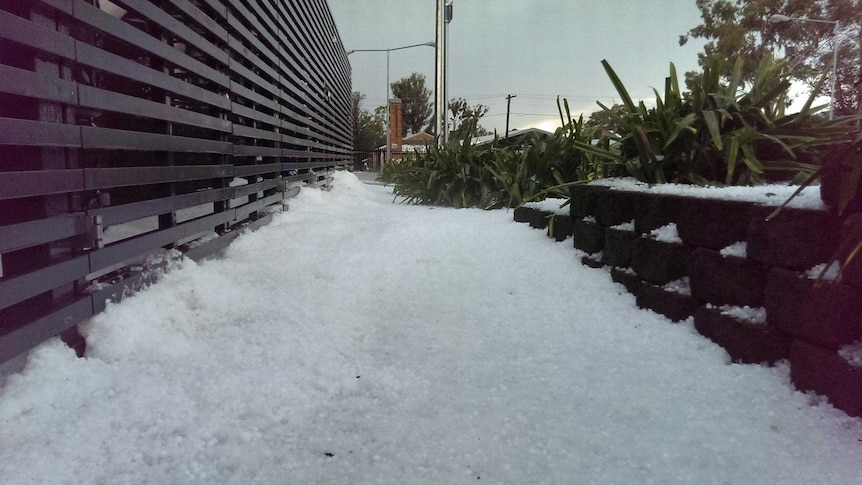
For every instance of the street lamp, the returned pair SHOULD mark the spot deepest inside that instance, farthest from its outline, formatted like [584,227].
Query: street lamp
[388,87]
[779,18]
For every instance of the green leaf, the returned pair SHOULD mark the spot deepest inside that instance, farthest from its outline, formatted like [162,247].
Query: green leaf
[618,85]
[713,127]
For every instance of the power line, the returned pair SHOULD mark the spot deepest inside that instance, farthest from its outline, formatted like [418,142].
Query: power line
[522,114]
[536,96]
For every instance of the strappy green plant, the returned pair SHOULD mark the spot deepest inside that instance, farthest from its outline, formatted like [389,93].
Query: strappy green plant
[723,131]
[491,176]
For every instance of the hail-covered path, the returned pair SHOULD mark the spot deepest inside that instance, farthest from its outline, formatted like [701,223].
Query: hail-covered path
[354,340]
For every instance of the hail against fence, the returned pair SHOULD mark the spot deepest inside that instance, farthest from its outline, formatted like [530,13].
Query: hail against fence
[132,128]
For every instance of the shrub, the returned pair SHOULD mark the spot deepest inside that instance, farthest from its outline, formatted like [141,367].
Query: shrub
[722,132]
[492,176]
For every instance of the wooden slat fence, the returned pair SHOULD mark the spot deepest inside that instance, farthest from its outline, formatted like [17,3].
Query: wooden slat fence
[133,127]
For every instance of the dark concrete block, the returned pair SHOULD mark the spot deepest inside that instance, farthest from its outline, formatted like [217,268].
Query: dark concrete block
[745,342]
[712,224]
[539,219]
[560,227]
[726,280]
[852,273]
[656,210]
[583,200]
[830,316]
[589,237]
[795,239]
[618,247]
[837,169]
[615,207]
[659,262]
[825,372]
[674,306]
[630,281]
[592,263]
[523,214]
[851,235]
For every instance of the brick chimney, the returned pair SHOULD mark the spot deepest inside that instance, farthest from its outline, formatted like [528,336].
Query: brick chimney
[395,123]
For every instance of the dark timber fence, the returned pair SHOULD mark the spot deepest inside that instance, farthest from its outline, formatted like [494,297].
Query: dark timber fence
[138,126]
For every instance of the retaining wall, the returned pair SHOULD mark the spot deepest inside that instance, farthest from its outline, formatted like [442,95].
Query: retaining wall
[814,326]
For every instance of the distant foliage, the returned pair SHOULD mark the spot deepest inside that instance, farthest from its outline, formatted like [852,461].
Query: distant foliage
[494,175]
[725,131]
[369,130]
[415,102]
[465,119]
[741,29]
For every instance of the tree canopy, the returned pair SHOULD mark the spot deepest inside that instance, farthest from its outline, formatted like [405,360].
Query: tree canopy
[734,28]
[465,119]
[605,120]
[369,130]
[415,102]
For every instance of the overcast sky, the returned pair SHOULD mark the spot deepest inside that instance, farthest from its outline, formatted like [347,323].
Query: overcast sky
[535,49]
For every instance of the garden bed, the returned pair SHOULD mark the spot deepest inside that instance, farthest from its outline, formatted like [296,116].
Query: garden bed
[747,281]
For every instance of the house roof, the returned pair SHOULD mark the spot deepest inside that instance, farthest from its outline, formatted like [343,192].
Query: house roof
[515,136]
[421,138]
[414,142]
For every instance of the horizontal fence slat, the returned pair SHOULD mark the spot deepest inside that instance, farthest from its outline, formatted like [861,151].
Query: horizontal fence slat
[243,190]
[44,182]
[257,133]
[93,56]
[116,27]
[27,335]
[114,139]
[247,112]
[19,288]
[64,6]
[26,234]
[173,25]
[38,133]
[246,170]
[244,210]
[140,245]
[258,98]
[138,210]
[91,97]
[99,178]
[198,15]
[34,35]
[254,151]
[199,252]
[32,85]
[116,291]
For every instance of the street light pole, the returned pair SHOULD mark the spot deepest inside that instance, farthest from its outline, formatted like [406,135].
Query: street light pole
[779,18]
[388,89]
[441,75]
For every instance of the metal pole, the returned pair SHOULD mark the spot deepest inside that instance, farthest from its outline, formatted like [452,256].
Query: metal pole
[388,117]
[439,72]
[447,17]
[834,69]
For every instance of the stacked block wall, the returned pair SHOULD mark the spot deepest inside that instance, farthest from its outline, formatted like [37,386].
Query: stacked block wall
[806,324]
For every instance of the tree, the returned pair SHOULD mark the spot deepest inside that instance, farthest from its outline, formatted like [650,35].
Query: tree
[603,120]
[415,102]
[734,28]
[465,119]
[369,130]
